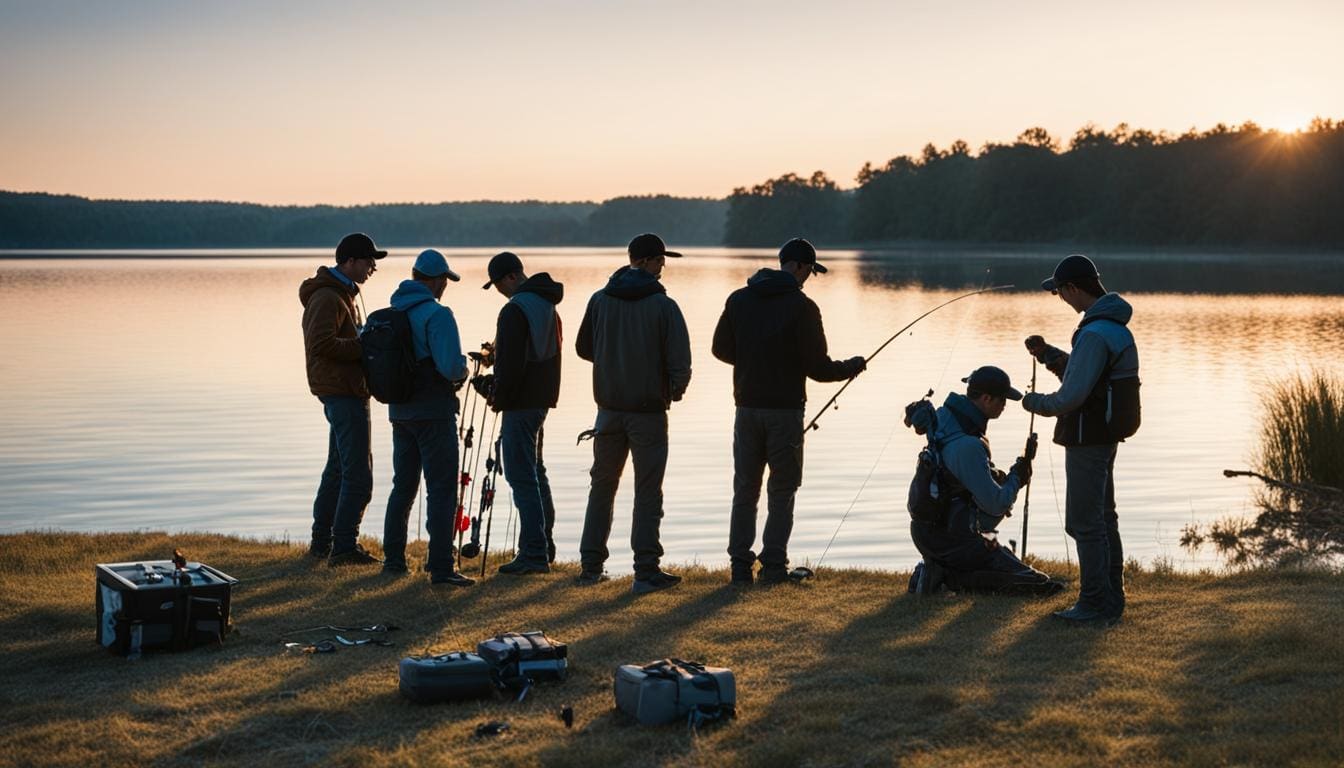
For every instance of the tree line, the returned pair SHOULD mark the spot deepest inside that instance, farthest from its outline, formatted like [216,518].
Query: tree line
[38,220]
[1242,186]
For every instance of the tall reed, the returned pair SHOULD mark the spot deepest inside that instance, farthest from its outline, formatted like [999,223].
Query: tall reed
[1302,433]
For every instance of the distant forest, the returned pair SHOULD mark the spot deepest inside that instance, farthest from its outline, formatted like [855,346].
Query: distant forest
[1241,186]
[36,220]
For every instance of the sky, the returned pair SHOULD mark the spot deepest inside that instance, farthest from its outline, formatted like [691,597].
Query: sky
[349,103]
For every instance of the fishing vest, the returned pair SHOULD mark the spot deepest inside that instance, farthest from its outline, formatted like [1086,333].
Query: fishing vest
[1111,411]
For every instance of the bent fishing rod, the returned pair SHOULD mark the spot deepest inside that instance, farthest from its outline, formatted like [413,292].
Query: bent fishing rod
[811,425]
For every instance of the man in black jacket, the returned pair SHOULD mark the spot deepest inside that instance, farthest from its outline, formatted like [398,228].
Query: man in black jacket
[636,338]
[526,385]
[772,336]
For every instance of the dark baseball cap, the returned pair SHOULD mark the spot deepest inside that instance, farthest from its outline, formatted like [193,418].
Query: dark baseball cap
[357,245]
[802,252]
[1073,267]
[648,246]
[502,265]
[992,381]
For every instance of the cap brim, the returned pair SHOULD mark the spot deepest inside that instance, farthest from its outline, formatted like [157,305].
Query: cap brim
[1012,394]
[1048,284]
[486,287]
[379,254]
[452,275]
[672,254]
[817,268]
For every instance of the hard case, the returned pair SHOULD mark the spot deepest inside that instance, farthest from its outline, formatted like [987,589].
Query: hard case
[154,605]
[522,656]
[457,676]
[670,690]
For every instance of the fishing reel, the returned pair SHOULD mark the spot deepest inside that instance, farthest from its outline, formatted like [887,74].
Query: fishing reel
[484,384]
[485,357]
[921,415]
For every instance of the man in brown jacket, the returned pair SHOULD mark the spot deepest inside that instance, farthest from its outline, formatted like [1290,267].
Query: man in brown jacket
[336,375]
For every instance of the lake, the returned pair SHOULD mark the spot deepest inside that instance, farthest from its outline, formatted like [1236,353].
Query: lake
[169,392]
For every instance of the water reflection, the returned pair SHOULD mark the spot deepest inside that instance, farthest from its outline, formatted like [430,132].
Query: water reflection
[171,393]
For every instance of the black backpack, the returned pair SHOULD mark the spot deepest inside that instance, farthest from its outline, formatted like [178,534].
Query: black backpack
[389,355]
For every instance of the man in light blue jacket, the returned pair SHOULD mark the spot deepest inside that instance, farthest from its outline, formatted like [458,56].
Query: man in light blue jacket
[424,428]
[1097,406]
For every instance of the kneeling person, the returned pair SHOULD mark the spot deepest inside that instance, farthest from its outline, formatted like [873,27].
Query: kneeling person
[956,536]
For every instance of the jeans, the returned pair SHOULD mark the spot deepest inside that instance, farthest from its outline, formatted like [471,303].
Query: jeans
[971,560]
[347,480]
[764,437]
[642,436]
[521,434]
[431,447]
[1090,518]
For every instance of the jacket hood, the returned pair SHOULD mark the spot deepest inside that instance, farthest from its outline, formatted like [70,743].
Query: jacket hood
[632,284]
[773,282]
[323,279]
[1110,307]
[542,285]
[969,419]
[409,294]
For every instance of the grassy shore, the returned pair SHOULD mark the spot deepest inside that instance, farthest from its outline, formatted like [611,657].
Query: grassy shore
[1241,669]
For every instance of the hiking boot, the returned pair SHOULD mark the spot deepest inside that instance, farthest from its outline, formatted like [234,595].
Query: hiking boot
[1081,615]
[357,556]
[774,574]
[654,582]
[931,579]
[320,550]
[392,568]
[587,577]
[452,579]
[520,567]
[743,577]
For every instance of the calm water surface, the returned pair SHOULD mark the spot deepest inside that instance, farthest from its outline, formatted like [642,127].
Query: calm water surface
[169,393]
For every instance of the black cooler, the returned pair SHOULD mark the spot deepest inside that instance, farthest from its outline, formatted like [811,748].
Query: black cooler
[156,605]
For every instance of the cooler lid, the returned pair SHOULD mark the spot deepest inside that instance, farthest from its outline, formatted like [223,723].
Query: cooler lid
[160,574]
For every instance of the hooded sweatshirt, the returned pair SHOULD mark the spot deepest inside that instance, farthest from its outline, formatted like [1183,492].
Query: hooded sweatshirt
[527,346]
[771,333]
[636,338]
[1102,338]
[331,336]
[965,453]
[438,348]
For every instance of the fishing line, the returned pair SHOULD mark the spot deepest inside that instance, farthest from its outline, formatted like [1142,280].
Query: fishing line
[1049,452]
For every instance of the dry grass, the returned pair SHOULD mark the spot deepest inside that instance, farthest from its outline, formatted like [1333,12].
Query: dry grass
[1245,669]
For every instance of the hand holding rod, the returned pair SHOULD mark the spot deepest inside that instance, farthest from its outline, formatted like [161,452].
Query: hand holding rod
[811,425]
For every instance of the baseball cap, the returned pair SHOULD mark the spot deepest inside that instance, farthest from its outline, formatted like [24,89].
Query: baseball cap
[992,381]
[1074,267]
[357,245]
[501,265]
[802,252]
[648,246]
[431,263]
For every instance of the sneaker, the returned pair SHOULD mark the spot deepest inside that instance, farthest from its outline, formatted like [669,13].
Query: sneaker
[1081,615]
[452,579]
[319,550]
[932,577]
[519,567]
[743,577]
[774,574]
[587,578]
[658,580]
[357,556]
[391,568]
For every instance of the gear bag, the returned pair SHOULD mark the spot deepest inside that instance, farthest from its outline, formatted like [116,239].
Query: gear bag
[456,676]
[389,354]
[521,658]
[670,690]
[161,604]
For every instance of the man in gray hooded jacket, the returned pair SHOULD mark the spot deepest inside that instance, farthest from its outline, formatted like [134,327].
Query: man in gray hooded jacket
[636,338]
[424,428]
[1096,406]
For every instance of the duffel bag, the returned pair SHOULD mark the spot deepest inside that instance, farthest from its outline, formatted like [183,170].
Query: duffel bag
[670,690]
[454,676]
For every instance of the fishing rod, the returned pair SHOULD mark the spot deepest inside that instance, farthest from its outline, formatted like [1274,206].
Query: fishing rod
[484,358]
[811,425]
[473,547]
[493,468]
[1031,456]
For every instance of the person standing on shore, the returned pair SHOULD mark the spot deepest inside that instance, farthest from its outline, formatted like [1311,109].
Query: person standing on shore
[424,427]
[636,338]
[336,376]
[773,337]
[1097,406]
[524,386]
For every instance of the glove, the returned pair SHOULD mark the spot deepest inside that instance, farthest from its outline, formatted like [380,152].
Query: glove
[856,365]
[484,385]
[1022,468]
[999,475]
[1036,346]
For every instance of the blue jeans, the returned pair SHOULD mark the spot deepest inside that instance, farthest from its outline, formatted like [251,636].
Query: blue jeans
[1090,518]
[521,434]
[347,480]
[764,437]
[429,447]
